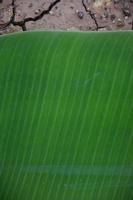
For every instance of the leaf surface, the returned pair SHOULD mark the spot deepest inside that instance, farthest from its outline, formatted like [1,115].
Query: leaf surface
[66,116]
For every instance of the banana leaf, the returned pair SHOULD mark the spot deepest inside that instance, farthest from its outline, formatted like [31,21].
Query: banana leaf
[66,116]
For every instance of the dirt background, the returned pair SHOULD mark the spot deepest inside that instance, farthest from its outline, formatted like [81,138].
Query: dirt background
[70,15]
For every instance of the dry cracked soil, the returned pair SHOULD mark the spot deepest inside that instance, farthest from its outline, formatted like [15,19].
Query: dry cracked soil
[70,15]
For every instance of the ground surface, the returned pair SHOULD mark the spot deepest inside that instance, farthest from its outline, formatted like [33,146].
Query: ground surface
[66,15]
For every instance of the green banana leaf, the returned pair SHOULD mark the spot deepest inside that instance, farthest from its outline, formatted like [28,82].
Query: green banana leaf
[66,116]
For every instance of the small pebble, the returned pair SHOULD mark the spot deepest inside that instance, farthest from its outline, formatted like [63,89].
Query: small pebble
[80,14]
[113,21]
[37,12]
[51,12]
[127,12]
[126,17]
[120,23]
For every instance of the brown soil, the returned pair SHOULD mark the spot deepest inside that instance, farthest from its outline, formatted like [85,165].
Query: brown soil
[66,15]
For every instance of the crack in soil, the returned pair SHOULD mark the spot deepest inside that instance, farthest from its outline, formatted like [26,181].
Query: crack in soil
[23,22]
[92,15]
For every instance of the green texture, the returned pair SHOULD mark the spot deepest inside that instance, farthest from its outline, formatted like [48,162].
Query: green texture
[66,116]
